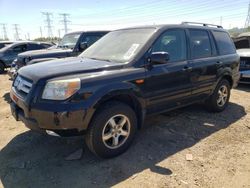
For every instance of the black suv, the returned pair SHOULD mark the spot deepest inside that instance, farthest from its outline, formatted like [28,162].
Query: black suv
[106,92]
[72,44]
[10,52]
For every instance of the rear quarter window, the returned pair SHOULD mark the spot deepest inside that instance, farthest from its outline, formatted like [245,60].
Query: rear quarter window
[224,43]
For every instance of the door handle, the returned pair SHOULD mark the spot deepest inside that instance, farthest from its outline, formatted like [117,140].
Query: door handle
[187,69]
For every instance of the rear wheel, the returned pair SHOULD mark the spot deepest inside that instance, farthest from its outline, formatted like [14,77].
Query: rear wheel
[2,68]
[218,101]
[112,130]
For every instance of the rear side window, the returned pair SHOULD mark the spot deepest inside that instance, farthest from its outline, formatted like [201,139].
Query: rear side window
[200,44]
[224,43]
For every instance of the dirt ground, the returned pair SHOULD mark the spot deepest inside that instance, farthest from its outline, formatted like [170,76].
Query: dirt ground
[217,146]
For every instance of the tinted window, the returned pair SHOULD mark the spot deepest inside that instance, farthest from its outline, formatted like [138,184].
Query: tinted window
[200,44]
[173,42]
[35,47]
[46,45]
[224,43]
[90,39]
[20,48]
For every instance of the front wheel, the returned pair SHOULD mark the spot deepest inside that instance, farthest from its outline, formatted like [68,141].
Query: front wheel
[218,101]
[112,129]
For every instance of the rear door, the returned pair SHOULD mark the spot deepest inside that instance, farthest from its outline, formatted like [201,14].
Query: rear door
[168,85]
[204,62]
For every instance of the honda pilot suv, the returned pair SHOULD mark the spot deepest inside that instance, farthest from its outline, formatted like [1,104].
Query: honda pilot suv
[106,92]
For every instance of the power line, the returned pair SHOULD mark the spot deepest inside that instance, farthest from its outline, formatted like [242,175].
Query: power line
[65,21]
[16,31]
[4,31]
[173,12]
[48,22]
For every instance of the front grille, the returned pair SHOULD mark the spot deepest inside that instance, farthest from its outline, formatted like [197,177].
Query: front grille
[244,63]
[22,86]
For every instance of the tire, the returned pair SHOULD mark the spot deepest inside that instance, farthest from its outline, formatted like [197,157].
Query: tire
[2,68]
[101,140]
[218,101]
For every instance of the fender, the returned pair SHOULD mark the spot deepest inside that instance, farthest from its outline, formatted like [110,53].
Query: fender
[111,91]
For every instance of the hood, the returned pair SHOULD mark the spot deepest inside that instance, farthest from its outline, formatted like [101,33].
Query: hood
[44,53]
[245,52]
[65,67]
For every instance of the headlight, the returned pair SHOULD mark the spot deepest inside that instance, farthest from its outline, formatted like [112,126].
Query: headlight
[61,89]
[13,64]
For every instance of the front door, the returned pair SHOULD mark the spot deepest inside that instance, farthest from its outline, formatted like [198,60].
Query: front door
[168,85]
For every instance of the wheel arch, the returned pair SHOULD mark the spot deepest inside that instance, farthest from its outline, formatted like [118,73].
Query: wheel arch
[126,97]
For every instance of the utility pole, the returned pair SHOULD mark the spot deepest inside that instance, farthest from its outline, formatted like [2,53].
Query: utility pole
[65,21]
[221,18]
[5,36]
[48,22]
[247,22]
[41,32]
[16,31]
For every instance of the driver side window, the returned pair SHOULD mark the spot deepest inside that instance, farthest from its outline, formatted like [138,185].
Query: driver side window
[20,48]
[173,42]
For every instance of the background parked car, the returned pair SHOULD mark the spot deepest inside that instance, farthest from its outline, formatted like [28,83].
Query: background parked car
[5,43]
[244,65]
[10,52]
[242,43]
[72,44]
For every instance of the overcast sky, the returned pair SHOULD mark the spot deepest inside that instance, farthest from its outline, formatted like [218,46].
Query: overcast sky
[108,14]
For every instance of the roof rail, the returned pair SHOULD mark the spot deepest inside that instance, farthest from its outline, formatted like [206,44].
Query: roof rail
[203,24]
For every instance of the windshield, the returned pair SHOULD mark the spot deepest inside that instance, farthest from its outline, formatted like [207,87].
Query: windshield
[119,46]
[69,41]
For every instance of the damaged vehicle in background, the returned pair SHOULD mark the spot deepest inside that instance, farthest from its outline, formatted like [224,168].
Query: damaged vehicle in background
[72,44]
[242,43]
[10,52]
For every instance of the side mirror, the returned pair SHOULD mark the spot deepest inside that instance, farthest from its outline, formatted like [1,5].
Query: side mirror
[83,46]
[159,57]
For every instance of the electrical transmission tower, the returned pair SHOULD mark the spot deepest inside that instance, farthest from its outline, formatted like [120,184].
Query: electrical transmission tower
[4,31]
[48,22]
[16,31]
[65,21]
[248,17]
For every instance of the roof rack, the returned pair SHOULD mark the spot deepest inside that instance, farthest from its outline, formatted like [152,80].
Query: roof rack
[203,24]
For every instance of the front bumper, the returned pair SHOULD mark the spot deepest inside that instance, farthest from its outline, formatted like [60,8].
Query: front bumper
[39,120]
[245,77]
